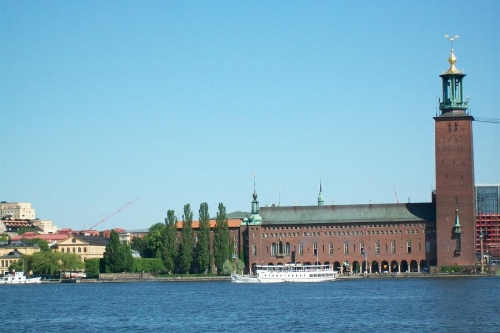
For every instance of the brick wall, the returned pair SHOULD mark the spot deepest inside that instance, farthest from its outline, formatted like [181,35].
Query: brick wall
[454,189]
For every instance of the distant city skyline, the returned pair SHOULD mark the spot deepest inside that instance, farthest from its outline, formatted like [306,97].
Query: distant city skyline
[177,103]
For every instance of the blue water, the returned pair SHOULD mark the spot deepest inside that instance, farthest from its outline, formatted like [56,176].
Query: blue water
[361,305]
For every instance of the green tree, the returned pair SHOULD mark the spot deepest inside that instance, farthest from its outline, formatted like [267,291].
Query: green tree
[42,243]
[156,227]
[154,241]
[221,239]
[170,248]
[239,266]
[187,241]
[48,263]
[139,244]
[22,231]
[147,265]
[92,267]
[118,257]
[203,246]
[151,245]
[227,267]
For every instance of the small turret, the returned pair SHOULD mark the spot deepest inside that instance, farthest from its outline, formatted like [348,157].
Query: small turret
[321,199]
[255,218]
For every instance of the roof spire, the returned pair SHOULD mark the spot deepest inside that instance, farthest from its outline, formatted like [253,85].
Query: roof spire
[452,59]
[321,199]
[453,101]
[254,192]
[255,218]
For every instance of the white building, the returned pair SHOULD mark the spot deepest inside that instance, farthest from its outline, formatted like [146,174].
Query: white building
[46,226]
[17,210]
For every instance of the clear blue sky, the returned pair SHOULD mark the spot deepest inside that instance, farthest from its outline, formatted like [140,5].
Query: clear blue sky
[179,102]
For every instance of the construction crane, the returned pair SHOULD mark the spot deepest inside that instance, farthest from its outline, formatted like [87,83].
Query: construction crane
[395,193]
[487,120]
[114,213]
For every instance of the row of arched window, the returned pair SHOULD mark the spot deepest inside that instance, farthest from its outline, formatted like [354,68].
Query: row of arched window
[280,248]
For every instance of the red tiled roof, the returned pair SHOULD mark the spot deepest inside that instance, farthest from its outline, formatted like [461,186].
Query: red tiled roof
[18,223]
[233,223]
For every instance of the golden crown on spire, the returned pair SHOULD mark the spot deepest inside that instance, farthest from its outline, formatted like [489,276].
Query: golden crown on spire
[452,59]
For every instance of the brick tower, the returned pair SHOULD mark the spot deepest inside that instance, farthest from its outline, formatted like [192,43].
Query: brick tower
[455,206]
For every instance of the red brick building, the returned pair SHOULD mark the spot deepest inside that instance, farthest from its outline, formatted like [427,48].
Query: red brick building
[375,238]
[381,238]
[488,222]
[455,204]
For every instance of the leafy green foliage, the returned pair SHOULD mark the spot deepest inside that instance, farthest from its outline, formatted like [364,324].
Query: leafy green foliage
[147,265]
[118,257]
[48,263]
[221,239]
[151,245]
[239,266]
[451,269]
[92,267]
[169,246]
[43,244]
[22,231]
[139,244]
[156,227]
[154,242]
[227,267]
[203,246]
[187,241]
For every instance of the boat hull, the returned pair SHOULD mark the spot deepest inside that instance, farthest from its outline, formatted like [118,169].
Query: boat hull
[19,278]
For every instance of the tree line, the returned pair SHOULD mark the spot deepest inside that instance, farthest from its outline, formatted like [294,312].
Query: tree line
[185,255]
[160,250]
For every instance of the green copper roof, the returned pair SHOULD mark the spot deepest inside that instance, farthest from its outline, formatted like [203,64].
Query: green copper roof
[410,212]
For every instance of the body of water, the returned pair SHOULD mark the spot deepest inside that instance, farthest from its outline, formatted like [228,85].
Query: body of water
[361,305]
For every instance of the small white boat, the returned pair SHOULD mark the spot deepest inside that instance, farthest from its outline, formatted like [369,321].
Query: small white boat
[18,278]
[236,278]
[288,273]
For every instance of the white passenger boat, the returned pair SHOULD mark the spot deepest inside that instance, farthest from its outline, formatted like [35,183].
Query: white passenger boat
[288,273]
[18,278]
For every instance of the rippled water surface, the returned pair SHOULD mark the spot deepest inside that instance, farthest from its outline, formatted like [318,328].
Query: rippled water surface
[361,305]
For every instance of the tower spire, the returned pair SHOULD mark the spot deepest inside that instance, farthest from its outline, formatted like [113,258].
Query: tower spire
[453,97]
[255,218]
[321,199]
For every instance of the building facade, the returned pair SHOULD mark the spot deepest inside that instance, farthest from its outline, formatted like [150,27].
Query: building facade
[13,251]
[488,221]
[455,206]
[16,210]
[387,238]
[87,247]
[383,238]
